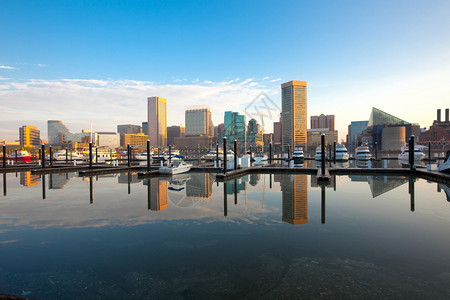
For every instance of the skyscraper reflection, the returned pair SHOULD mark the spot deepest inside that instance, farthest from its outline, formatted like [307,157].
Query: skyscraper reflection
[157,194]
[200,186]
[295,198]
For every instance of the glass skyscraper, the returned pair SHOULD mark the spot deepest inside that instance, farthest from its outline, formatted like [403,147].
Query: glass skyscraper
[157,121]
[234,124]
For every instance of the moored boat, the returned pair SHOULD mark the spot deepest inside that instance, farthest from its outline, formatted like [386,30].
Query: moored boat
[362,153]
[177,167]
[404,154]
[22,155]
[298,156]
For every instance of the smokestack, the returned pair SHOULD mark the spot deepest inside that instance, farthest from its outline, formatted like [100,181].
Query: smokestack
[446,115]
[439,115]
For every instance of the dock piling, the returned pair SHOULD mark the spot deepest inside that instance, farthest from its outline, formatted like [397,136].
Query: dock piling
[67,158]
[411,152]
[43,155]
[270,152]
[129,155]
[90,155]
[4,156]
[170,154]
[334,152]
[322,159]
[217,153]
[148,155]
[235,154]
[225,155]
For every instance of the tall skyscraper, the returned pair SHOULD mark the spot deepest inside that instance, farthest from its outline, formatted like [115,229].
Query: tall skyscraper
[128,128]
[294,114]
[157,121]
[29,136]
[198,121]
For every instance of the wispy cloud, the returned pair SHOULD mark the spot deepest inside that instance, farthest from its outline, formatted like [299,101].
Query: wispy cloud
[7,67]
[42,65]
[110,102]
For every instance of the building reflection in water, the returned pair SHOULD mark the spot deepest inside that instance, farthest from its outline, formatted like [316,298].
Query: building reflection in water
[58,181]
[294,190]
[254,179]
[131,177]
[28,179]
[157,194]
[380,184]
[199,186]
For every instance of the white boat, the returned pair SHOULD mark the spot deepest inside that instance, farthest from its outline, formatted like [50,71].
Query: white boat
[445,166]
[177,167]
[404,154]
[298,156]
[61,155]
[141,156]
[260,157]
[362,153]
[341,153]
[212,155]
[318,155]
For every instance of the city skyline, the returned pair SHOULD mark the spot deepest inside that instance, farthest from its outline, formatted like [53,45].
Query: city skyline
[354,56]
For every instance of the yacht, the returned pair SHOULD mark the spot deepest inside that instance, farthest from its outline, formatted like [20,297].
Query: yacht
[260,157]
[445,166]
[71,155]
[318,155]
[404,154]
[211,155]
[362,153]
[298,156]
[142,156]
[177,167]
[341,153]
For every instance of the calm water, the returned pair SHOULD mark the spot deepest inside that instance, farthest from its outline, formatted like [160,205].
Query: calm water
[263,236]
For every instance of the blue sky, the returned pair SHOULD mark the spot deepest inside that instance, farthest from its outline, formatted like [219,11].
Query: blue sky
[97,61]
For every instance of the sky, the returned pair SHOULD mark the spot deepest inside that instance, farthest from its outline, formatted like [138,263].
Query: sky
[96,62]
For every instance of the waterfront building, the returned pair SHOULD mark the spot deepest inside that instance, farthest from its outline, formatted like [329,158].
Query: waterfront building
[234,125]
[387,132]
[322,121]
[314,137]
[173,132]
[438,133]
[267,139]
[294,190]
[198,121]
[139,139]
[157,121]
[58,133]
[129,128]
[203,142]
[354,129]
[109,140]
[29,136]
[294,114]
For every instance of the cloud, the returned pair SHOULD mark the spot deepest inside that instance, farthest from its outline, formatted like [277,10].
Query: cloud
[108,103]
[42,65]
[7,67]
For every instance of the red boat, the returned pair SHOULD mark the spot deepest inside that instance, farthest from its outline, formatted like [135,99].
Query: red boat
[22,155]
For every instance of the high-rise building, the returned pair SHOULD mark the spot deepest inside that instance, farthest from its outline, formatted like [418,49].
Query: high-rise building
[254,134]
[322,121]
[157,121]
[295,198]
[129,128]
[198,121]
[145,128]
[277,133]
[173,132]
[294,114]
[29,136]
[234,125]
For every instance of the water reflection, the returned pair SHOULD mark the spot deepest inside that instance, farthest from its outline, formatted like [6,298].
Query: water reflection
[294,190]
[28,179]
[446,189]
